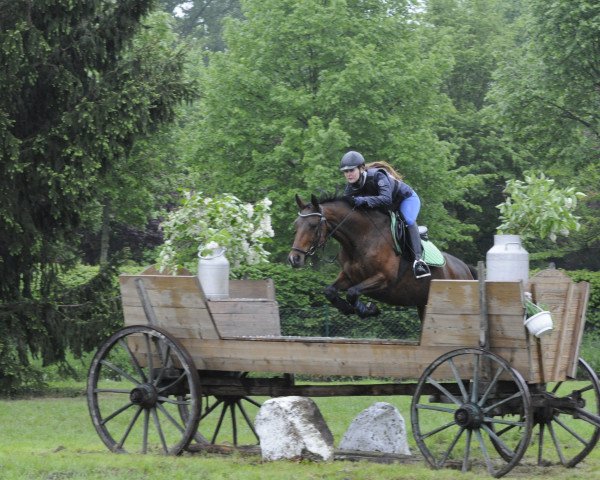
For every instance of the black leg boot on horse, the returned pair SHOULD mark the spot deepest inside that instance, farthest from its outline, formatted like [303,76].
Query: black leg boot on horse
[420,268]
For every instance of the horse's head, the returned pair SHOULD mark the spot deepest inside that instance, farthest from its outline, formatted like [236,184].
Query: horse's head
[311,231]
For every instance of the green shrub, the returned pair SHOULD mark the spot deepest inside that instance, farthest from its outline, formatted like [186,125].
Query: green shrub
[305,311]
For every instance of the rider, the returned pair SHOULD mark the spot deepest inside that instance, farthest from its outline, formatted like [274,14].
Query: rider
[382,187]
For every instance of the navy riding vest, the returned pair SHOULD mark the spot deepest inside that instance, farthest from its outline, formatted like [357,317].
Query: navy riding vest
[380,189]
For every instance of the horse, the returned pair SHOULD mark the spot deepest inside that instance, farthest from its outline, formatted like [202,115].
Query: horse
[370,265]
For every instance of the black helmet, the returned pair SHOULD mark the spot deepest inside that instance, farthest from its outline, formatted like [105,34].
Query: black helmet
[351,160]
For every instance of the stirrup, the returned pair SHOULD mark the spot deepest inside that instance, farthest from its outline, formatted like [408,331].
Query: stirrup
[421,269]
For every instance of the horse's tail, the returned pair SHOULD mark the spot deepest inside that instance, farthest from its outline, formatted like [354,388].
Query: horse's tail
[473,271]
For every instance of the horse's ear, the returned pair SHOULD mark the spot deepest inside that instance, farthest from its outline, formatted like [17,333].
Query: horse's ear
[314,201]
[300,203]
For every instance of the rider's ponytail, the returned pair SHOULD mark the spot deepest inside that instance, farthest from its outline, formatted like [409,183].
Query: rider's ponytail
[386,166]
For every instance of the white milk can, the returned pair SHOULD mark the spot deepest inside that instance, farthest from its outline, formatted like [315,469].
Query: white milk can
[213,272]
[507,260]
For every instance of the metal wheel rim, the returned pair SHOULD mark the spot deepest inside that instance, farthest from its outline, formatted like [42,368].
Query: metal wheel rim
[138,415]
[466,417]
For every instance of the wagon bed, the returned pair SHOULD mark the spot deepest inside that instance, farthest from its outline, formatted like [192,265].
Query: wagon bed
[474,362]
[243,332]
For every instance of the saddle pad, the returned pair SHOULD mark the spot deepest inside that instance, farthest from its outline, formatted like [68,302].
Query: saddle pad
[432,255]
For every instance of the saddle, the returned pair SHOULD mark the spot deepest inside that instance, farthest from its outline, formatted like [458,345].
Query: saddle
[431,254]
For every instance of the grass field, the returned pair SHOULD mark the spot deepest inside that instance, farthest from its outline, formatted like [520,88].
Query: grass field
[52,438]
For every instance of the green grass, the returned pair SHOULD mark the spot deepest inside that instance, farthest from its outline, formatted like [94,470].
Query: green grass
[52,438]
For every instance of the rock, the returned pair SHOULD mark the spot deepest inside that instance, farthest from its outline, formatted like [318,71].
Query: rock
[379,428]
[293,427]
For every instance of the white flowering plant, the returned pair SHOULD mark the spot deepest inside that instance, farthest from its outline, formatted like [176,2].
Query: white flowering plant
[204,224]
[536,208]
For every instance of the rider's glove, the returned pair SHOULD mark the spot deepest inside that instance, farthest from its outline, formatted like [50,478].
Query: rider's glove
[360,201]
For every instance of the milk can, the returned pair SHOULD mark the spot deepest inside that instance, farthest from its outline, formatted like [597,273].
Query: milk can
[213,272]
[507,260]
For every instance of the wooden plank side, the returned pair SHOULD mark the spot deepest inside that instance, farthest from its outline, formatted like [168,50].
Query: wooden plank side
[458,330]
[169,291]
[177,301]
[563,298]
[508,331]
[242,317]
[196,323]
[330,358]
[583,295]
[247,325]
[243,305]
[252,289]
[453,297]
[504,298]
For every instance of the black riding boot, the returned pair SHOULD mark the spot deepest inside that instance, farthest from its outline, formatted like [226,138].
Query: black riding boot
[420,268]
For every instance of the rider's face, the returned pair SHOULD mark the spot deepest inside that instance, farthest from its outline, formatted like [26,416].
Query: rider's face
[353,175]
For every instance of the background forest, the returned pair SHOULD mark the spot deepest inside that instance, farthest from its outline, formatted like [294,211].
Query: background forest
[110,111]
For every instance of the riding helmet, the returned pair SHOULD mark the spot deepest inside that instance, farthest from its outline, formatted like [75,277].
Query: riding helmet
[351,160]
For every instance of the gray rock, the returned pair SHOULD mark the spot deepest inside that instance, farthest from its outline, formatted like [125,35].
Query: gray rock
[379,428]
[293,427]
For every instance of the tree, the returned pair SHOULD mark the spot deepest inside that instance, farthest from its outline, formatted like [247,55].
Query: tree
[546,98]
[74,99]
[300,82]
[203,19]
[478,31]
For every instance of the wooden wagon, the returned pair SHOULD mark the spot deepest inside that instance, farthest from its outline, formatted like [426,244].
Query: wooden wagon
[481,385]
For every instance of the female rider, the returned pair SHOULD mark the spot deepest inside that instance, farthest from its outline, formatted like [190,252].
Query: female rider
[383,187]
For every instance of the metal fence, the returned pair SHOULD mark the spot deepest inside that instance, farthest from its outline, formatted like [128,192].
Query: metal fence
[391,323]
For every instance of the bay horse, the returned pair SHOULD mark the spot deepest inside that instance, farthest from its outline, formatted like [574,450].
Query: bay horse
[369,263]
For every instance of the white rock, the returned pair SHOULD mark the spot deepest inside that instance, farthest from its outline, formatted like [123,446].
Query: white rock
[379,428]
[293,427]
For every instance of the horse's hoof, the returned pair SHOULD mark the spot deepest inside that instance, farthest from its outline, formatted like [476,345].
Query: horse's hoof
[372,309]
[368,310]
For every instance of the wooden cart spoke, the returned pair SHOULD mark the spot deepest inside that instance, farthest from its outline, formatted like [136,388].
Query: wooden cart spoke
[503,401]
[121,372]
[164,368]
[134,360]
[171,385]
[572,432]
[134,419]
[448,452]
[437,408]
[459,382]
[445,391]
[437,430]
[498,442]
[116,413]
[159,429]
[112,390]
[491,387]
[484,451]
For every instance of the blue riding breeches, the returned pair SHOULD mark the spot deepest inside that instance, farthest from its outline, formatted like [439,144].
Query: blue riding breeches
[409,208]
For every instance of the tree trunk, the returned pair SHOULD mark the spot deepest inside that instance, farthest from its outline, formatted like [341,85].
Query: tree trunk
[104,233]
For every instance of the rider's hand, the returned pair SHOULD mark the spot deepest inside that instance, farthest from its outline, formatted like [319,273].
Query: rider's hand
[360,201]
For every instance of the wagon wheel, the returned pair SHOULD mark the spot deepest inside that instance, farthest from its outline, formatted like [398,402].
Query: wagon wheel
[456,425]
[138,380]
[226,419]
[567,431]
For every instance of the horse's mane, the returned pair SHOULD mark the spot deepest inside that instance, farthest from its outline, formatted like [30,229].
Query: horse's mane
[336,197]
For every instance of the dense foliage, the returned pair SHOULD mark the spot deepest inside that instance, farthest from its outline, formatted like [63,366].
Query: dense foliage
[460,96]
[78,87]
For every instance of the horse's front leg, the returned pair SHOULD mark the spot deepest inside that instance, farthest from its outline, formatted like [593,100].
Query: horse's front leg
[332,294]
[371,284]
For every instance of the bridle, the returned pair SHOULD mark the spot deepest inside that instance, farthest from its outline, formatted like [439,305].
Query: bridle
[316,241]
